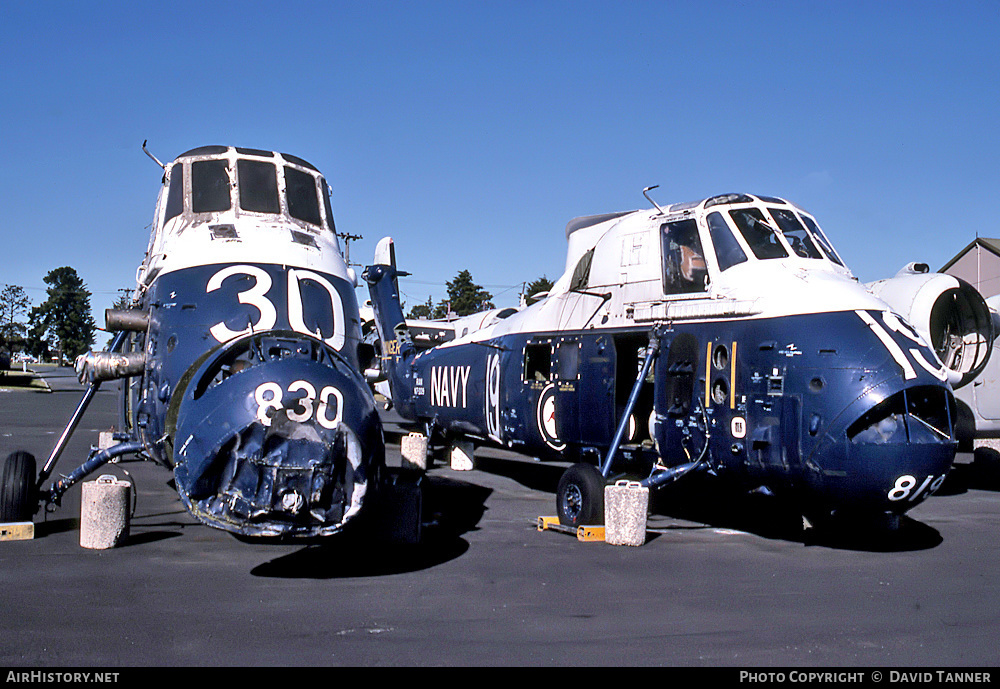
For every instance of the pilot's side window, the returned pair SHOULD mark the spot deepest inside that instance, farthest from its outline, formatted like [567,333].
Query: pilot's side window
[728,251]
[175,195]
[300,190]
[258,186]
[683,258]
[326,204]
[537,362]
[210,186]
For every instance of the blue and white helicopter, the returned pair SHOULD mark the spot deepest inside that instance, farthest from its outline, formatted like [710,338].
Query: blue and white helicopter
[241,357]
[724,336]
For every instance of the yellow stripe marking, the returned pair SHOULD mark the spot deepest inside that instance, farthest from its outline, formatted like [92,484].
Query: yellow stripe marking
[732,379]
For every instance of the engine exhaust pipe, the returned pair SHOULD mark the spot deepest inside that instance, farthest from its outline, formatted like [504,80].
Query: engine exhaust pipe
[95,367]
[132,320]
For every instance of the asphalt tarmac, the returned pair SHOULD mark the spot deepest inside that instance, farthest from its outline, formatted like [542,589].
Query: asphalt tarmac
[722,581]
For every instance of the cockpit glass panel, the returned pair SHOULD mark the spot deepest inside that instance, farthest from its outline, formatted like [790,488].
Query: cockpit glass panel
[762,238]
[683,258]
[795,234]
[175,195]
[300,190]
[258,186]
[255,152]
[823,241]
[210,186]
[728,251]
[326,204]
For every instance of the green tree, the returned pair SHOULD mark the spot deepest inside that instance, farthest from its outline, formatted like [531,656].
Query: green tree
[13,307]
[542,284]
[422,310]
[464,296]
[124,300]
[64,317]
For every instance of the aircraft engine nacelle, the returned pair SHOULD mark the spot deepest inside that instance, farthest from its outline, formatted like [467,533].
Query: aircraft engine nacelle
[949,313]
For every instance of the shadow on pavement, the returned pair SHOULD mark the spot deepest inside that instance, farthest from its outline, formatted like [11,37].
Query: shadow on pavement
[451,508]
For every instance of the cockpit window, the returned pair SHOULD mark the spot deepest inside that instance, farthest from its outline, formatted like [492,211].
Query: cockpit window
[258,186]
[762,238]
[795,234]
[581,274]
[683,259]
[300,189]
[326,204]
[823,241]
[210,186]
[727,250]
[175,196]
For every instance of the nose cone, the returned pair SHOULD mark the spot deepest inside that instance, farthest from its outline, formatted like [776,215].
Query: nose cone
[856,418]
[274,435]
[891,449]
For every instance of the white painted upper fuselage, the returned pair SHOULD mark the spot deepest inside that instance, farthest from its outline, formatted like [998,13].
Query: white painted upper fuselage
[777,263]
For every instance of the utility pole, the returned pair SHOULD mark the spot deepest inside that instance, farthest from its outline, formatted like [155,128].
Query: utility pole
[348,238]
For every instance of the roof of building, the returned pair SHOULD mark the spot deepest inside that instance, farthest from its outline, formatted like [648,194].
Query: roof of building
[991,245]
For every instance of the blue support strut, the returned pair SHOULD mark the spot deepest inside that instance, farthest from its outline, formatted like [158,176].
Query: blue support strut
[651,351]
[97,459]
[81,407]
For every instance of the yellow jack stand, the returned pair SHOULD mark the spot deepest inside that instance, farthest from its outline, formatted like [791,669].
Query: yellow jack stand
[17,531]
[583,533]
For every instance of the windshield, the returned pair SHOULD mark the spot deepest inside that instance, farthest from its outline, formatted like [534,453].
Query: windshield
[210,186]
[773,232]
[300,189]
[258,186]
[823,241]
[758,233]
[258,190]
[728,251]
[795,234]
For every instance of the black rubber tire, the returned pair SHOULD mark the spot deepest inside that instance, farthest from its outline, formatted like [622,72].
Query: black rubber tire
[18,499]
[580,496]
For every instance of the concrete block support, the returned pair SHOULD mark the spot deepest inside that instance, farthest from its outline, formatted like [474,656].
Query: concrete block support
[461,455]
[413,448]
[105,512]
[625,507]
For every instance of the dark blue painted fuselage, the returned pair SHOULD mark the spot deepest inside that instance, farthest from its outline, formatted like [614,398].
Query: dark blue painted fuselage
[253,394]
[841,411]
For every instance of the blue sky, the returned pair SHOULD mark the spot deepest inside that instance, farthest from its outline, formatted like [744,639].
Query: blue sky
[472,132]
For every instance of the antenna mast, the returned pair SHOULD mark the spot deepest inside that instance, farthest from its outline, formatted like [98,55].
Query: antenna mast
[647,189]
[162,166]
[348,238]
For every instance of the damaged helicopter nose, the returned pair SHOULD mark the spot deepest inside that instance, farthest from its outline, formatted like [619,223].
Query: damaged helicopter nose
[275,435]
[895,453]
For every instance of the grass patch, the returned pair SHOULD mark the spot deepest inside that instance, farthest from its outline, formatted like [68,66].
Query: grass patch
[20,380]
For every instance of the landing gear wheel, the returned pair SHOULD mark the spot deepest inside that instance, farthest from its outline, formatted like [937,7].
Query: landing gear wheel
[580,496]
[18,498]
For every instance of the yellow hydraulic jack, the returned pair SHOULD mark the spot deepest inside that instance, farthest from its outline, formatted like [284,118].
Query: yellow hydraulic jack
[583,533]
[17,531]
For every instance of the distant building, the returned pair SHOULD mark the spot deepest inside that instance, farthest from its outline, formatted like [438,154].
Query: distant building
[979,265]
